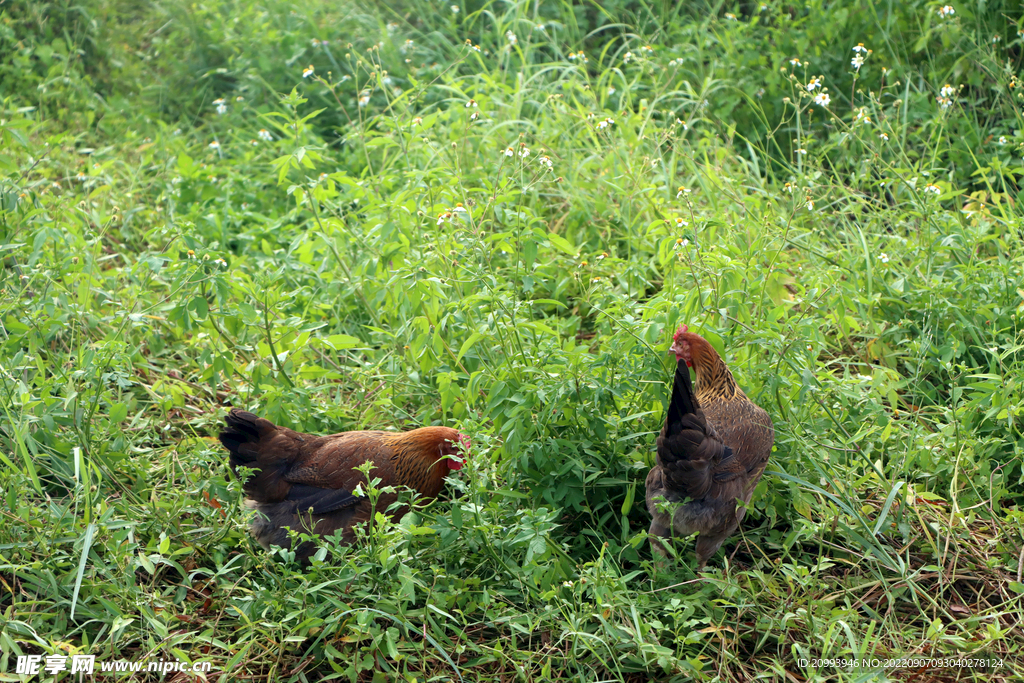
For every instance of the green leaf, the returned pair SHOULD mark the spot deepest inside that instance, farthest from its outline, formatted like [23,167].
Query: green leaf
[342,341]
[82,560]
[468,344]
[118,412]
[199,306]
[562,244]
[549,302]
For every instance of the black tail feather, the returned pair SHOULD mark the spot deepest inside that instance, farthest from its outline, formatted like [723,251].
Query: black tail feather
[683,401]
[689,452]
[240,437]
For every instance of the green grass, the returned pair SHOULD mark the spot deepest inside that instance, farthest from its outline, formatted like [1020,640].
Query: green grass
[859,265]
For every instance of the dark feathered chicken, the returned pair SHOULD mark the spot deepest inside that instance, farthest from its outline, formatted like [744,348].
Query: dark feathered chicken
[308,483]
[711,452]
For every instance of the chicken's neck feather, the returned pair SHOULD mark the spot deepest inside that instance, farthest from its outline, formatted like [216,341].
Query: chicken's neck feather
[715,381]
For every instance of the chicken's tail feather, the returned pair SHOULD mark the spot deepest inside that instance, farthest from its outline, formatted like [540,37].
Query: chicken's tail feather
[242,438]
[683,401]
[690,453]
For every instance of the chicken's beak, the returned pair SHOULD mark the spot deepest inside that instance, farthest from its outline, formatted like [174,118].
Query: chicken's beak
[677,349]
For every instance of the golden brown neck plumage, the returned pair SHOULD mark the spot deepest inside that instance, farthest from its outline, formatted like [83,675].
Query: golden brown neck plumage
[714,379]
[419,460]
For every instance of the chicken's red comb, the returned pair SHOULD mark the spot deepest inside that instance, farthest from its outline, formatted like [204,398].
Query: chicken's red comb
[683,329]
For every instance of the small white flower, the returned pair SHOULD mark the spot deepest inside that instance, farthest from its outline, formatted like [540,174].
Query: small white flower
[222,108]
[795,62]
[509,152]
[680,122]
[947,90]
[822,99]
[1002,139]
[417,121]
[406,46]
[730,16]
[762,8]
[946,11]
[214,145]
[315,42]
[474,116]
[459,208]
[524,151]
[933,188]
[323,177]
[682,192]
[682,243]
[308,71]
[945,102]
[680,223]
[810,205]
[239,99]
[859,47]
[545,161]
[511,37]
[626,58]
[611,90]
[788,187]
[221,262]
[265,135]
[813,84]
[647,50]
[364,99]
[391,27]
[857,62]
[862,117]
[471,104]
[454,9]
[883,257]
[760,93]
[801,151]
[81,177]
[541,28]
[884,137]
[446,216]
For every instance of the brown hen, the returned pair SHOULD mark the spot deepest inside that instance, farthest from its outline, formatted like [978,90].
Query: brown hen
[711,452]
[309,483]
